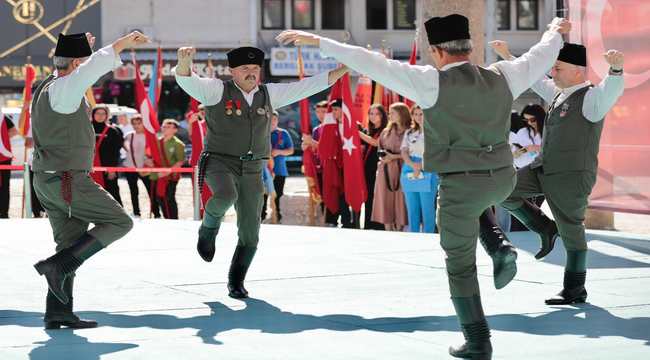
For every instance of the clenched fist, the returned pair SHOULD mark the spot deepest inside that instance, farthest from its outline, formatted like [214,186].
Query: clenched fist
[501,48]
[615,59]
[131,40]
[561,25]
[185,56]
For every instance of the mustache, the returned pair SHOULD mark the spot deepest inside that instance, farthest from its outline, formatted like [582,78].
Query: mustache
[250,77]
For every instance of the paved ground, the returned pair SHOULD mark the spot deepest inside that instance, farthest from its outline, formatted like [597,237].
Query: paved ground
[294,205]
[326,294]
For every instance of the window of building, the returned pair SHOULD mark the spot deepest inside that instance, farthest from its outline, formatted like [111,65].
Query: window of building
[503,14]
[333,14]
[376,14]
[403,14]
[273,14]
[302,14]
[527,15]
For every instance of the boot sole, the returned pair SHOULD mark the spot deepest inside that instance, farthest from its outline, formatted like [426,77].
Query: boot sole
[471,356]
[580,300]
[55,325]
[237,296]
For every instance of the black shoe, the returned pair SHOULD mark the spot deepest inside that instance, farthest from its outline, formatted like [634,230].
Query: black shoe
[58,266]
[534,219]
[475,329]
[205,245]
[72,323]
[574,291]
[59,315]
[497,245]
[241,261]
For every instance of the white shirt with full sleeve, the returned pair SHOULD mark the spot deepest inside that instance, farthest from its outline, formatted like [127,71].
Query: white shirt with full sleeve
[67,91]
[208,91]
[421,82]
[597,102]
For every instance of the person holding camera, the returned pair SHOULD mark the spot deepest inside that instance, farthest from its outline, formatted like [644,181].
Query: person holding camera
[389,207]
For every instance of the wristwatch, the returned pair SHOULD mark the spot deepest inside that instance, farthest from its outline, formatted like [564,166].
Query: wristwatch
[613,71]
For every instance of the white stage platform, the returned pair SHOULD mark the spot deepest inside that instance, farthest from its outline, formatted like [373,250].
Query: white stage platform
[317,293]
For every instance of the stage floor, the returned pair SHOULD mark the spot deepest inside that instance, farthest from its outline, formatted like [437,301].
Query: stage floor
[317,293]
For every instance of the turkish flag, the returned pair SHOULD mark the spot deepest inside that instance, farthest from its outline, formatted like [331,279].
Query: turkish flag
[354,182]
[151,126]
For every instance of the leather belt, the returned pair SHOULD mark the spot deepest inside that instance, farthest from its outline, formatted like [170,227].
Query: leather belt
[475,172]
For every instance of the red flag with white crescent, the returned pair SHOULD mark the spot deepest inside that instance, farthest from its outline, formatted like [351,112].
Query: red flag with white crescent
[354,180]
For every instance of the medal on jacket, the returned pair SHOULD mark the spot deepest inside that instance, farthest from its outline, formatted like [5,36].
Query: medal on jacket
[238,105]
[564,109]
[261,111]
[229,107]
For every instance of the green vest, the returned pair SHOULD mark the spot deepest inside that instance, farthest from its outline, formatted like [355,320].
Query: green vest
[61,141]
[468,127]
[570,142]
[248,134]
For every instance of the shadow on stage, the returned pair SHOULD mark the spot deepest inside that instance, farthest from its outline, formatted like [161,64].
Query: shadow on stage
[65,344]
[530,243]
[587,320]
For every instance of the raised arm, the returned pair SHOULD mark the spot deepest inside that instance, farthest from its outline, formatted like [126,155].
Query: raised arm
[522,72]
[419,83]
[544,87]
[283,94]
[67,92]
[600,99]
[207,91]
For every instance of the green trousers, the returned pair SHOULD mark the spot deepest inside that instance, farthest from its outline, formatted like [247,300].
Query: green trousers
[567,195]
[238,183]
[90,204]
[462,198]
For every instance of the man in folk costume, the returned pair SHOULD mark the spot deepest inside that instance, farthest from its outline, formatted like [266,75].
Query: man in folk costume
[237,144]
[64,142]
[109,140]
[7,131]
[172,155]
[467,110]
[565,170]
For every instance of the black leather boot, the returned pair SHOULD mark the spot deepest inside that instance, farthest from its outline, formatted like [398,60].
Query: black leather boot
[205,245]
[241,260]
[534,219]
[574,291]
[497,245]
[575,274]
[475,329]
[67,261]
[59,315]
